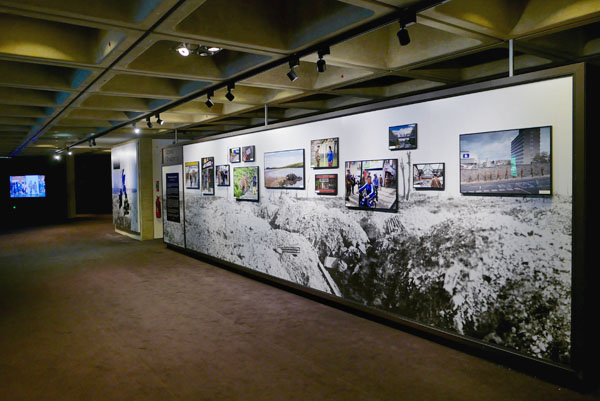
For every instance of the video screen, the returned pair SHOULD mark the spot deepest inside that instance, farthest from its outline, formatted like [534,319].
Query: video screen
[372,184]
[28,186]
[502,163]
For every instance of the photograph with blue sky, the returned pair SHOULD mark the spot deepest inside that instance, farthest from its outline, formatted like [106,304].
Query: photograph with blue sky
[496,145]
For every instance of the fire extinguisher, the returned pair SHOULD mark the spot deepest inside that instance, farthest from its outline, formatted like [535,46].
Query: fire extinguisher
[158,214]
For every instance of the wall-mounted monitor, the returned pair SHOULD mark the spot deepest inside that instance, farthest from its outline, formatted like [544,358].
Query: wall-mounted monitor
[28,186]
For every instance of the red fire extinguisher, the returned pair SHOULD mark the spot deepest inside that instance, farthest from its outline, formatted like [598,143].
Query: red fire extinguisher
[158,214]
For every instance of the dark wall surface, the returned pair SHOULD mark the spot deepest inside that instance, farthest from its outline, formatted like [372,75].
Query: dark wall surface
[93,183]
[18,212]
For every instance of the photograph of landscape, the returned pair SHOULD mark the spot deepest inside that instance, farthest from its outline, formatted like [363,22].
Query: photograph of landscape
[284,169]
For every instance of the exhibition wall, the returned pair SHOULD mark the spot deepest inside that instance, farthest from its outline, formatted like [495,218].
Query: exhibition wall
[125,199]
[493,269]
[137,189]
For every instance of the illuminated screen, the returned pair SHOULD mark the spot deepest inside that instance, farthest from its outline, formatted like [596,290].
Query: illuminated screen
[28,186]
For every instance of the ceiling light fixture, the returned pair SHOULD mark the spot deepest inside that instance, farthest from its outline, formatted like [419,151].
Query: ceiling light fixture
[293,63]
[322,64]
[230,96]
[69,153]
[403,37]
[183,50]
[158,120]
[209,103]
[57,157]
[136,130]
[405,20]
[148,122]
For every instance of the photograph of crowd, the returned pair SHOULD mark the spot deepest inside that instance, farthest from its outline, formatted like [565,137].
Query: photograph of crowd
[191,175]
[234,155]
[245,183]
[28,186]
[372,184]
[284,169]
[326,184]
[324,153]
[208,173]
[222,172]
[512,162]
[248,153]
[429,176]
[403,137]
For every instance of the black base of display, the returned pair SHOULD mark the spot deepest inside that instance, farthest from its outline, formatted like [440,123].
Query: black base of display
[547,371]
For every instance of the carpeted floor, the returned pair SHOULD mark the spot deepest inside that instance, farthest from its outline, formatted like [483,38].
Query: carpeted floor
[87,314]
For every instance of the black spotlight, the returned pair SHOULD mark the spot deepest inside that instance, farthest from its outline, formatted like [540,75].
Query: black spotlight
[294,62]
[321,64]
[292,75]
[93,141]
[230,96]
[209,103]
[403,36]
[158,120]
[148,122]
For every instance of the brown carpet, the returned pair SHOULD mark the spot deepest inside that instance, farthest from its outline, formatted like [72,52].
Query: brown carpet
[87,314]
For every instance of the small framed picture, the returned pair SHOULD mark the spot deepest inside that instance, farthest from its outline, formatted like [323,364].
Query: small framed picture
[222,173]
[324,153]
[234,155]
[326,184]
[403,137]
[208,174]
[192,176]
[429,176]
[248,153]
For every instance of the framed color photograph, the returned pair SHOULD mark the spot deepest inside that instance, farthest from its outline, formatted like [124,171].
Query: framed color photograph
[403,137]
[429,176]
[248,153]
[514,162]
[192,175]
[324,153]
[326,184]
[208,174]
[372,184]
[245,183]
[284,169]
[234,155]
[222,174]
